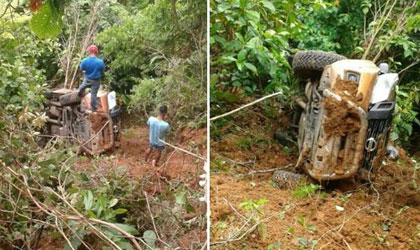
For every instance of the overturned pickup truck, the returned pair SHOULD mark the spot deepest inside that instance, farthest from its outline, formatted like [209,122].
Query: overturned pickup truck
[94,132]
[346,121]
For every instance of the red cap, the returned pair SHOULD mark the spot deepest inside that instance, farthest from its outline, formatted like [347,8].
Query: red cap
[93,49]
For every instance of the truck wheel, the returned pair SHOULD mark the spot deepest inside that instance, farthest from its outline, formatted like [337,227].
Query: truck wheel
[311,63]
[70,98]
[282,178]
[48,95]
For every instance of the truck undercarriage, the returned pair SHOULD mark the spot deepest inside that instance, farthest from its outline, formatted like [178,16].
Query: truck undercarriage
[69,118]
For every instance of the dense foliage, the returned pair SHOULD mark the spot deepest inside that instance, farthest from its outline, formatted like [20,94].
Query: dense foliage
[252,41]
[165,61]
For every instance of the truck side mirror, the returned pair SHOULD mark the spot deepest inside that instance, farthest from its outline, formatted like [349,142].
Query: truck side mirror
[383,68]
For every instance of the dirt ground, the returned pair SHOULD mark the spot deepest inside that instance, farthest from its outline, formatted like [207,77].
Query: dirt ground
[341,215]
[173,165]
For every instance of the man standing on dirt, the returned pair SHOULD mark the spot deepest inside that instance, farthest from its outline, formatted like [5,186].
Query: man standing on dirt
[157,130]
[93,68]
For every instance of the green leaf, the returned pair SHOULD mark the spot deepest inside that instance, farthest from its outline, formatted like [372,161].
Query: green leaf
[226,96]
[84,177]
[240,37]
[242,55]
[124,244]
[46,163]
[269,5]
[91,214]
[120,211]
[269,33]
[75,242]
[88,200]
[385,227]
[46,22]
[251,67]
[223,6]
[7,35]
[189,208]
[219,39]
[129,229]
[149,237]
[181,198]
[113,202]
[156,58]
[248,89]
[365,10]
[254,43]
[252,15]
[227,59]
[394,136]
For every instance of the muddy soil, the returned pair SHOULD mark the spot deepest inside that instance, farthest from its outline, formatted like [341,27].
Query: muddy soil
[341,119]
[173,165]
[344,215]
[97,120]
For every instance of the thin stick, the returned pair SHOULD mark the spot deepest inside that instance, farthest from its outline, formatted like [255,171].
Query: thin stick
[244,234]
[63,234]
[409,66]
[367,51]
[245,106]
[234,209]
[183,150]
[153,220]
[268,170]
[112,226]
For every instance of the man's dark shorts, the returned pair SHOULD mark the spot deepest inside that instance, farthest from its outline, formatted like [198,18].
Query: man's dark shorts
[157,147]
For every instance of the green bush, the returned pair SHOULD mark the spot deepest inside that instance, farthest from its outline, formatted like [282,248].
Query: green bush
[252,41]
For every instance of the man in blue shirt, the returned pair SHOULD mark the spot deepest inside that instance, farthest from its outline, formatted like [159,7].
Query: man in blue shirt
[93,68]
[157,130]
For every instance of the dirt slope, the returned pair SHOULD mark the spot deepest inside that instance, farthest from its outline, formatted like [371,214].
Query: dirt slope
[385,215]
[173,165]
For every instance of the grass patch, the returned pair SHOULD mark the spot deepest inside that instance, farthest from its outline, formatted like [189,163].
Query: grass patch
[304,190]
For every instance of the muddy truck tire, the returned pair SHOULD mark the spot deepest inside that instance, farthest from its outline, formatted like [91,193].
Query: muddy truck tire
[48,95]
[70,99]
[310,64]
[286,179]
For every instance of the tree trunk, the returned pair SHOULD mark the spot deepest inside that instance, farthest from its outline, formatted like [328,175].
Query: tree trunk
[174,14]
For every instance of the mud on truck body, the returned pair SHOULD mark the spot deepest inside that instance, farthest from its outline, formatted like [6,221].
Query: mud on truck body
[94,132]
[345,125]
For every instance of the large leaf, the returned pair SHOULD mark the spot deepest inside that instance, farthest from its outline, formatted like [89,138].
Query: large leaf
[124,244]
[120,211]
[46,22]
[242,55]
[181,198]
[149,237]
[88,200]
[113,202]
[189,208]
[251,67]
[269,5]
[252,15]
[129,229]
